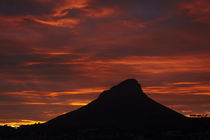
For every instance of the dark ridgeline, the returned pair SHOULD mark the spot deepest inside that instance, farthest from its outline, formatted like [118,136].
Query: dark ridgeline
[123,112]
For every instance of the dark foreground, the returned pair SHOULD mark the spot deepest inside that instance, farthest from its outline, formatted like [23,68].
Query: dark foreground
[192,129]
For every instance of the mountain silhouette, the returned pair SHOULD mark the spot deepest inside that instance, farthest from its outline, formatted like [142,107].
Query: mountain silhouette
[124,112]
[124,105]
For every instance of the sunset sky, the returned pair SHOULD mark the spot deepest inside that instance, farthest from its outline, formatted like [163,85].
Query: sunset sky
[57,55]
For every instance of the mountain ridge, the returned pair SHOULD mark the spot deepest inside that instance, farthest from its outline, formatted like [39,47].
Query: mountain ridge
[124,104]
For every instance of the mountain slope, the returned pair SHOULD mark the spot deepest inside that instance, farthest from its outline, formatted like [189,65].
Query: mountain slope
[124,105]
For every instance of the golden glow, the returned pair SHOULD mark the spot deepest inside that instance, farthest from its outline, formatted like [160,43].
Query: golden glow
[40,103]
[21,122]
[186,111]
[77,91]
[197,115]
[47,93]
[79,103]
[59,53]
[25,93]
[34,103]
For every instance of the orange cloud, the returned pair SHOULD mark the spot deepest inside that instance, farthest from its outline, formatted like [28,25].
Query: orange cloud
[145,64]
[60,11]
[32,63]
[180,88]
[53,19]
[67,22]
[33,94]
[77,91]
[184,83]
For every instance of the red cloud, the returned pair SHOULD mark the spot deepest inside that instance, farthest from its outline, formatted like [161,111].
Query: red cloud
[198,9]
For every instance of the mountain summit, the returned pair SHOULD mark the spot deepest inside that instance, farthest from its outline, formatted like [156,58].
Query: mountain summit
[127,90]
[124,105]
[128,87]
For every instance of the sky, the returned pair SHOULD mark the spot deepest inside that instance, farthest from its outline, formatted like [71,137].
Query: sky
[57,55]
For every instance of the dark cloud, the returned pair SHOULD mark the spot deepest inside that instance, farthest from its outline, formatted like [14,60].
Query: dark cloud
[28,7]
[139,8]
